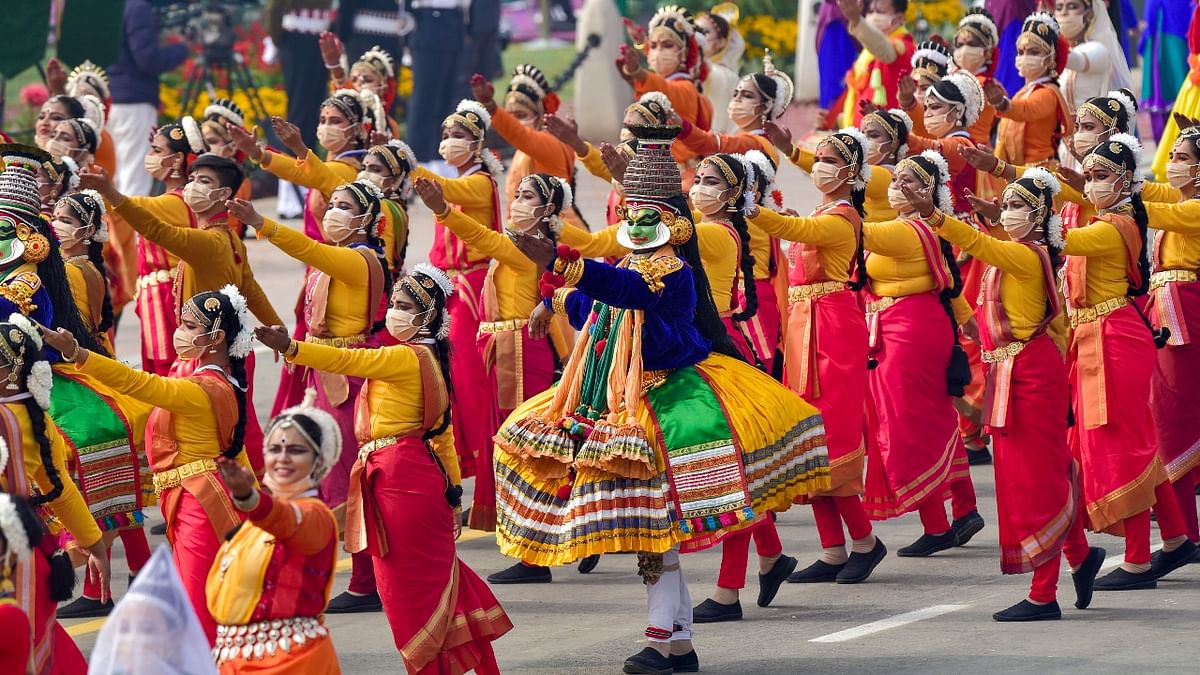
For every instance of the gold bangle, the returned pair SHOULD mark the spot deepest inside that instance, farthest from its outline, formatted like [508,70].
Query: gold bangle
[445,212]
[74,354]
[293,348]
[794,155]
[558,302]
[998,170]
[573,272]
[936,220]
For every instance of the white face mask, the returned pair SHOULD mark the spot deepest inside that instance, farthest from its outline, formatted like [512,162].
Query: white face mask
[185,344]
[743,113]
[456,151]
[334,138]
[940,125]
[1071,25]
[1181,175]
[898,201]
[1031,66]
[881,22]
[969,58]
[707,199]
[339,225]
[201,198]
[1018,224]
[827,177]
[1105,194]
[69,234]
[524,217]
[403,325]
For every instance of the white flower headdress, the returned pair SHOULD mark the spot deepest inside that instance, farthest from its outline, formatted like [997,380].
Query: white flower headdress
[72,172]
[330,448]
[191,131]
[443,282]
[1047,181]
[240,344]
[11,526]
[766,171]
[40,380]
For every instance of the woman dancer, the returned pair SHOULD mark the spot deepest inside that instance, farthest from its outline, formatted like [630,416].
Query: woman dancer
[404,491]
[825,267]
[293,535]
[79,225]
[758,99]
[1113,436]
[513,338]
[651,330]
[1097,61]
[195,420]
[342,295]
[1037,480]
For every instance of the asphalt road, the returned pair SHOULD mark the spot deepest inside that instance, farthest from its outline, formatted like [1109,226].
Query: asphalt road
[913,616]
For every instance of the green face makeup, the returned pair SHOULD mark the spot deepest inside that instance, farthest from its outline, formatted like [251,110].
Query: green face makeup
[643,225]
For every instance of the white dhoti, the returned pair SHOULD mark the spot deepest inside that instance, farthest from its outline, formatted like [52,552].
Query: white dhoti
[130,125]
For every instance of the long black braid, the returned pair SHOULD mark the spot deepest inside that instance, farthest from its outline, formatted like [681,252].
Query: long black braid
[232,325]
[858,199]
[1143,221]
[64,314]
[707,320]
[738,220]
[96,257]
[62,574]
[37,416]
[958,371]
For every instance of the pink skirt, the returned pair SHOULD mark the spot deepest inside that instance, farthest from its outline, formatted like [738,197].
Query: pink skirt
[764,327]
[472,406]
[1173,399]
[912,435]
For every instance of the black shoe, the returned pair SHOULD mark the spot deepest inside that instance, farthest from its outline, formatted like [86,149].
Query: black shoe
[521,574]
[711,611]
[85,608]
[769,583]
[816,573]
[860,565]
[966,527]
[464,518]
[589,563]
[979,458]
[928,544]
[1163,563]
[649,662]
[1121,580]
[686,663]
[1027,611]
[349,603]
[1084,578]
[159,529]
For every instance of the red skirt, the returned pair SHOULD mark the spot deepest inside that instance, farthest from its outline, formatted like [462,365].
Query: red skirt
[835,379]
[1036,483]
[439,610]
[765,326]
[1119,462]
[472,406]
[1173,399]
[912,434]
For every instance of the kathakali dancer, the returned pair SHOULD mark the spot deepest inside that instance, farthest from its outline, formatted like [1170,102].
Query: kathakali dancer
[1026,394]
[1110,365]
[826,347]
[475,193]
[676,60]
[342,294]
[658,439]
[195,420]
[405,492]
[270,583]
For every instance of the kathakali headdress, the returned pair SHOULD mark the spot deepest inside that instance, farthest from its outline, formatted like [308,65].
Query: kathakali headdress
[652,194]
[20,208]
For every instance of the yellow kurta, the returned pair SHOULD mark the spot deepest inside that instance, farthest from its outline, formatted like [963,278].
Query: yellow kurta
[875,202]
[833,236]
[473,194]
[719,252]
[515,277]
[897,267]
[393,389]
[594,164]
[81,291]
[1104,248]
[213,257]
[69,508]
[1023,284]
[346,312]
[1179,248]
[196,429]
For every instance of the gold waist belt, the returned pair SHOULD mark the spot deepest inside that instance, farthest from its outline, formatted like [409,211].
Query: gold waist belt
[877,306]
[492,327]
[339,342]
[1004,353]
[156,277]
[172,478]
[372,446]
[1097,312]
[265,638]
[814,291]
[1160,279]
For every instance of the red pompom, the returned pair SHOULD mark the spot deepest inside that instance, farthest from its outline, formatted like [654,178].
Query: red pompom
[551,103]
[546,290]
[1061,54]
[567,252]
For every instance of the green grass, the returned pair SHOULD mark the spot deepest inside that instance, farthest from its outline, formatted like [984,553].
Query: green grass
[552,61]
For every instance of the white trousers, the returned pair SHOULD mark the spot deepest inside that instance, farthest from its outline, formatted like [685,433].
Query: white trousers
[130,125]
[669,604]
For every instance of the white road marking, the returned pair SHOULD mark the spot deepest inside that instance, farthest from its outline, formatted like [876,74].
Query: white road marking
[1114,560]
[889,623]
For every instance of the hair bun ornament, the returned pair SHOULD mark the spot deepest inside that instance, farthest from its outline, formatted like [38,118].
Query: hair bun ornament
[785,88]
[380,60]
[227,110]
[469,106]
[191,132]
[864,168]
[438,276]
[10,521]
[240,344]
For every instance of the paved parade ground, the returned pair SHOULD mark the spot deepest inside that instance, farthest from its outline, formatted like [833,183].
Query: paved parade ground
[913,616]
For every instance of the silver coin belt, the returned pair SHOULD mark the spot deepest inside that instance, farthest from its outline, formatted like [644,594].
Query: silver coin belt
[266,638]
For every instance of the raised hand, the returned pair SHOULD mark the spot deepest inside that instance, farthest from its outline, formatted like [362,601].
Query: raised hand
[866,107]
[981,157]
[94,177]
[240,481]
[538,249]
[614,161]
[61,341]
[780,136]
[431,194]
[243,210]
[56,77]
[243,139]
[1183,121]
[852,10]
[922,201]
[276,338]
[289,134]
[484,91]
[995,94]
[906,92]
[636,33]
[566,131]
[331,49]
[988,208]
[1072,177]
[629,63]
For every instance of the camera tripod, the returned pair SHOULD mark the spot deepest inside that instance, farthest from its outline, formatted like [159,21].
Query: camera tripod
[206,74]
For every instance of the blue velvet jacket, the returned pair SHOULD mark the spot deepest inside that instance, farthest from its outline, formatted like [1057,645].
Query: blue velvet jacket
[669,338]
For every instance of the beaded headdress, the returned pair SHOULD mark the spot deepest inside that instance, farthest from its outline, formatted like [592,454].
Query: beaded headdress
[1108,109]
[931,60]
[652,178]
[225,109]
[1038,188]
[91,75]
[933,171]
[20,207]
[979,22]
[329,449]
[529,88]
[379,60]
